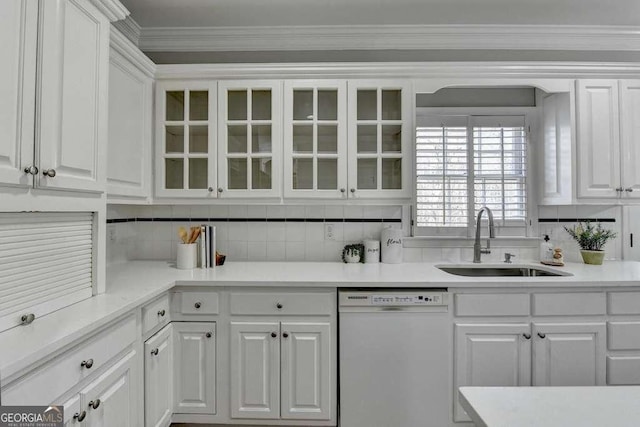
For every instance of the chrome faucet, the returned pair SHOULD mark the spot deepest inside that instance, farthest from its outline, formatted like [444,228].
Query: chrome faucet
[477,248]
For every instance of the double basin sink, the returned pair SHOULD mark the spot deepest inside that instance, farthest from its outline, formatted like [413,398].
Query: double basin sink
[507,270]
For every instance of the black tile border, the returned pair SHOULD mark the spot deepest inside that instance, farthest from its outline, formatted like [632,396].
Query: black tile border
[310,220]
[552,220]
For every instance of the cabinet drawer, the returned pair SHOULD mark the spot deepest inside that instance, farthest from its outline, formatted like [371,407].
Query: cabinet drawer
[281,303]
[155,313]
[623,370]
[65,371]
[198,302]
[492,304]
[624,303]
[565,304]
[623,335]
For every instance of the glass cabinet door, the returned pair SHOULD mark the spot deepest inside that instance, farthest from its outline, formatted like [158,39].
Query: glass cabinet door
[186,160]
[249,138]
[379,139]
[315,139]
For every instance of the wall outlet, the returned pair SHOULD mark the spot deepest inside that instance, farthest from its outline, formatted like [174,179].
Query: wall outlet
[329,233]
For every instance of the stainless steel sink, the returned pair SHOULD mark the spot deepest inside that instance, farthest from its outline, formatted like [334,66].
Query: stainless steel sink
[501,271]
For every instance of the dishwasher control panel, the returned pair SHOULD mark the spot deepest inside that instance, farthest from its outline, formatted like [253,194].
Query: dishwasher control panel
[394,299]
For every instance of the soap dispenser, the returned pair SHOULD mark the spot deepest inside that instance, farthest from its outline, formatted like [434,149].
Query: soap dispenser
[546,249]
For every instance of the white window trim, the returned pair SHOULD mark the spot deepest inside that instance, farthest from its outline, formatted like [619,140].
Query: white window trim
[531,125]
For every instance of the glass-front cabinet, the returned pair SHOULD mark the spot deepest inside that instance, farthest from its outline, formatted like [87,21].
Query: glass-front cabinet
[249,138]
[315,139]
[186,139]
[380,135]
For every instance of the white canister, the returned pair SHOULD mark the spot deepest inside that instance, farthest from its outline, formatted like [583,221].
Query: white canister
[391,246]
[187,256]
[371,251]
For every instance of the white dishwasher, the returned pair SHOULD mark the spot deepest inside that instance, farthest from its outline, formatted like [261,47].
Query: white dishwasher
[395,358]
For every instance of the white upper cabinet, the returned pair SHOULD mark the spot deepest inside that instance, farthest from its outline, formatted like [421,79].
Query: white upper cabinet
[249,138]
[18,33]
[598,138]
[72,111]
[380,135]
[630,136]
[186,139]
[130,119]
[315,139]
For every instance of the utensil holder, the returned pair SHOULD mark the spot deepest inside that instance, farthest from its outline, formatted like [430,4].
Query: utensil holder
[187,256]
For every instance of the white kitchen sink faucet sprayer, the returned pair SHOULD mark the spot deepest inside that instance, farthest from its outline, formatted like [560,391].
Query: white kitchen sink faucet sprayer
[477,248]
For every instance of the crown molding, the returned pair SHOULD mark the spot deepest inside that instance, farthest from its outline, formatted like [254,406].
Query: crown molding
[445,71]
[123,46]
[403,37]
[112,9]
[130,29]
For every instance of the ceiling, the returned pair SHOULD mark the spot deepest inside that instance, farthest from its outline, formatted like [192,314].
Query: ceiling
[231,13]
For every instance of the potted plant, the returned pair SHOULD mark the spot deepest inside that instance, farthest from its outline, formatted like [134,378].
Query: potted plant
[591,240]
[353,253]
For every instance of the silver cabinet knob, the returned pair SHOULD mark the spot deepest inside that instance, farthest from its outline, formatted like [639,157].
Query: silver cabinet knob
[161,313]
[220,190]
[527,336]
[94,404]
[273,335]
[154,352]
[629,190]
[80,416]
[210,189]
[285,335]
[87,363]
[619,189]
[541,335]
[51,173]
[31,170]
[353,190]
[27,319]
[279,306]
[208,335]
[342,190]
[197,305]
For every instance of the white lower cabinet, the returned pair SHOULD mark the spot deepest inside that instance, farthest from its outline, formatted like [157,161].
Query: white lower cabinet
[194,346]
[491,355]
[111,400]
[569,354]
[158,378]
[255,370]
[281,370]
[522,354]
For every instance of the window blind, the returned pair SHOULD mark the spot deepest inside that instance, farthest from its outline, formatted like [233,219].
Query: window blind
[466,162]
[45,263]
[441,168]
[500,167]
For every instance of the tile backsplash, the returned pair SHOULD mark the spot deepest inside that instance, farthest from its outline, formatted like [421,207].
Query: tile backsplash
[301,232]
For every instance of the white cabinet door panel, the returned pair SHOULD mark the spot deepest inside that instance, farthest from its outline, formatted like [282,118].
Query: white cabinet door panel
[255,370]
[630,136]
[195,367]
[158,378]
[491,355]
[306,371]
[111,400]
[73,95]
[556,153]
[568,354]
[598,159]
[17,89]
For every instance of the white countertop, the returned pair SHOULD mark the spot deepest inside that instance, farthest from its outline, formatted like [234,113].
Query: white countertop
[552,406]
[130,285]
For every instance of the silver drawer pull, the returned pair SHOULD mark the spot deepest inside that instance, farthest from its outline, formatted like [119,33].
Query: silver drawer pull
[94,404]
[208,335]
[197,305]
[279,306]
[87,363]
[80,416]
[161,313]
[154,352]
